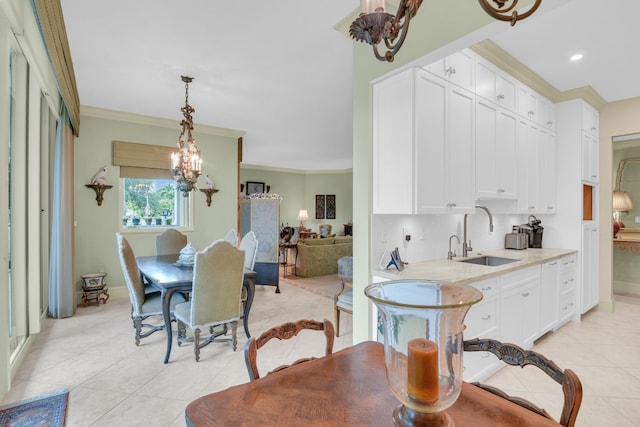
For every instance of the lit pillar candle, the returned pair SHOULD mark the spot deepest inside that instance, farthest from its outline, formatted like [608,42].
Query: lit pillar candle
[423,384]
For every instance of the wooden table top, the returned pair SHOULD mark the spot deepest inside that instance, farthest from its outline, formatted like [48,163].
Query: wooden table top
[346,388]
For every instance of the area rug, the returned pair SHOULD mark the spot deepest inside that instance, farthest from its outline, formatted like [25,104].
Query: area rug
[48,410]
[327,286]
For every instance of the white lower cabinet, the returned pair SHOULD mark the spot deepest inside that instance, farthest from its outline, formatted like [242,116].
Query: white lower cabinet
[520,306]
[590,289]
[482,322]
[567,281]
[549,296]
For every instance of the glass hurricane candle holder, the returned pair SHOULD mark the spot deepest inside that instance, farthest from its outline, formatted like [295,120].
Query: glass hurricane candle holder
[422,323]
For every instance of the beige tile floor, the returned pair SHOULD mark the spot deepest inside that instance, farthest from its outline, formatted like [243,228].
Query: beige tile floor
[113,382]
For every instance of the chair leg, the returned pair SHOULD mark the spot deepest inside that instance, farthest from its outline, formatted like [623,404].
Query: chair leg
[196,343]
[337,322]
[234,335]
[137,324]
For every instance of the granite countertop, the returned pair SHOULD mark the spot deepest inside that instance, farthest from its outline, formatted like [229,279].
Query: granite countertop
[462,273]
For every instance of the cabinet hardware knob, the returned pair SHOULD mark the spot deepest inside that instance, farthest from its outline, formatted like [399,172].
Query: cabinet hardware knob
[500,96]
[485,355]
[486,289]
[525,294]
[487,317]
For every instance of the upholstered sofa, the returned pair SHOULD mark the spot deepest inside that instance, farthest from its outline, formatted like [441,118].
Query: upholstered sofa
[318,257]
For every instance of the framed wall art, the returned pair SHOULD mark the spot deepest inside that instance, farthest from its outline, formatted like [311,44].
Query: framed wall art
[320,206]
[331,206]
[254,187]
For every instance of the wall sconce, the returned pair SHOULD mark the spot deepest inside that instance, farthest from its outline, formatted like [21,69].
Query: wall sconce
[209,192]
[99,189]
[375,25]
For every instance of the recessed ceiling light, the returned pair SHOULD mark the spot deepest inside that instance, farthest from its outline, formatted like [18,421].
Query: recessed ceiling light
[576,57]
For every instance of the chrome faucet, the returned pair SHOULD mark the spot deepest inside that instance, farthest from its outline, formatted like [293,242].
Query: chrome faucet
[466,245]
[451,255]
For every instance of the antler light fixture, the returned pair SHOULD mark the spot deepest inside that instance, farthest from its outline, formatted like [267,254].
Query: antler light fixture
[186,162]
[374,25]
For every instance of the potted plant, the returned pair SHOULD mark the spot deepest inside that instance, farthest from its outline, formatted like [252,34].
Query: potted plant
[147,220]
[158,221]
[168,221]
[136,220]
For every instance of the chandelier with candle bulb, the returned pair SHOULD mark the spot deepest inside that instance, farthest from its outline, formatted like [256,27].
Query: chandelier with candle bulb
[374,25]
[186,163]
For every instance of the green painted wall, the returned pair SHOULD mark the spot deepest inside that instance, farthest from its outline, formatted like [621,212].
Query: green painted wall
[96,226]
[298,190]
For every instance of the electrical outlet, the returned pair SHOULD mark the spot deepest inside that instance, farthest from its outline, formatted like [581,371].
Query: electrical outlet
[637,219]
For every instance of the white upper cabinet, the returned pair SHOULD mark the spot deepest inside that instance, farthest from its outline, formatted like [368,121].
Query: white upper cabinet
[535,107]
[495,85]
[590,120]
[528,167]
[590,155]
[424,145]
[393,144]
[496,162]
[457,68]
[547,172]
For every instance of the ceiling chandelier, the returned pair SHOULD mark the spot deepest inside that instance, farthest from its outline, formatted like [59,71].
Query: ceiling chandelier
[186,162]
[374,25]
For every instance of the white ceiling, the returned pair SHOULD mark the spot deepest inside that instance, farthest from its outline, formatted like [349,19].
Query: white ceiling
[279,71]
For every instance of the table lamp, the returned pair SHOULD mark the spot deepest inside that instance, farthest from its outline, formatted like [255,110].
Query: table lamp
[303,215]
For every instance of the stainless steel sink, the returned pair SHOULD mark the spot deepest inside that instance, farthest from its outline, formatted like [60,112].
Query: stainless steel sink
[492,261]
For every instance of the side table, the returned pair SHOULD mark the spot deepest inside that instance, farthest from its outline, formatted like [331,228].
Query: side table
[94,288]
[285,247]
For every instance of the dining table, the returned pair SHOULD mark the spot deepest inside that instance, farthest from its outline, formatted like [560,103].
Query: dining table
[165,274]
[346,388]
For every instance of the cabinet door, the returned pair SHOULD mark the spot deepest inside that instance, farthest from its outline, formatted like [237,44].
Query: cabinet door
[461,166]
[528,167]
[547,172]
[457,68]
[549,295]
[530,313]
[527,103]
[590,270]
[496,136]
[506,90]
[589,158]
[393,156]
[547,111]
[431,145]
[590,120]
[510,317]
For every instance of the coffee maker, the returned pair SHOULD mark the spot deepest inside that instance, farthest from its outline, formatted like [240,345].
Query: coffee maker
[534,230]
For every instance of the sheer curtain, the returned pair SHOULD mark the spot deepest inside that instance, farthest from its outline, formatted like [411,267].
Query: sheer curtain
[61,283]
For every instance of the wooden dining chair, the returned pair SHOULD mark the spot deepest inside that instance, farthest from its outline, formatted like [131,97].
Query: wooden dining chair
[285,331]
[170,241]
[218,272]
[516,356]
[143,304]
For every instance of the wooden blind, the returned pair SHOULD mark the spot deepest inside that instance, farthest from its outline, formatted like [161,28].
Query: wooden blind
[54,33]
[142,160]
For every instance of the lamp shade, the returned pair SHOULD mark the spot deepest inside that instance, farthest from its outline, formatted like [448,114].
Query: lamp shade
[621,201]
[303,215]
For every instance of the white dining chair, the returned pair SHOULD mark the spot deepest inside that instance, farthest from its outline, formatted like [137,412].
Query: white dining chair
[249,244]
[218,273]
[232,237]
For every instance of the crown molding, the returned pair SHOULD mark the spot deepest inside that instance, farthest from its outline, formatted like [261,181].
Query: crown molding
[493,53]
[297,171]
[103,113]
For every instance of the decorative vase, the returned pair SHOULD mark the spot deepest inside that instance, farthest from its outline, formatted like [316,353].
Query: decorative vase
[136,221]
[422,323]
[158,221]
